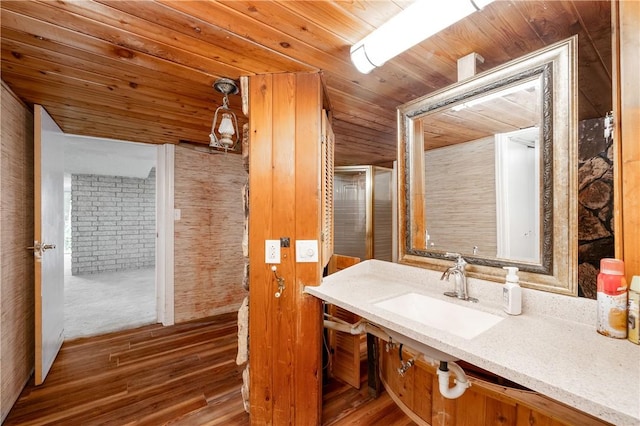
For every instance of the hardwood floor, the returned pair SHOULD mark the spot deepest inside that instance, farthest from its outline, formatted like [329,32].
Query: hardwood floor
[180,375]
[345,406]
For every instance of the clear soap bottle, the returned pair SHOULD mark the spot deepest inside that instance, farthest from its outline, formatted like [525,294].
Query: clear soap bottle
[512,292]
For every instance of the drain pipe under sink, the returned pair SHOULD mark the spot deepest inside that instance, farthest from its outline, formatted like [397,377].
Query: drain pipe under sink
[447,365]
[460,379]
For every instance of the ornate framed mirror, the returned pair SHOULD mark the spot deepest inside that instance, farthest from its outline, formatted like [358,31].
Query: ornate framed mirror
[488,169]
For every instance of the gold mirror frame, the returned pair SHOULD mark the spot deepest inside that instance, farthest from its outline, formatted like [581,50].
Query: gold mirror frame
[557,270]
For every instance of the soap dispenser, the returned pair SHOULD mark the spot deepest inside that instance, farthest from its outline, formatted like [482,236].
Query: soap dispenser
[511,292]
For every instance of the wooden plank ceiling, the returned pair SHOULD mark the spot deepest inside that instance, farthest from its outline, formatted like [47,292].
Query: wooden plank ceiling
[143,70]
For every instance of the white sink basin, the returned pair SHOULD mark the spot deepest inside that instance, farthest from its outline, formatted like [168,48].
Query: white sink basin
[455,319]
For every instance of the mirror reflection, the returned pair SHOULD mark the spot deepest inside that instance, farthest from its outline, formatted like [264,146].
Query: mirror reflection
[483,155]
[487,169]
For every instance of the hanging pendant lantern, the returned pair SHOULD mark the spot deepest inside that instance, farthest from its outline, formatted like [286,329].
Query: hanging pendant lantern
[224,129]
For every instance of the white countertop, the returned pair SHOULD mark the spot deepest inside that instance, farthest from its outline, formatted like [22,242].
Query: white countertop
[552,348]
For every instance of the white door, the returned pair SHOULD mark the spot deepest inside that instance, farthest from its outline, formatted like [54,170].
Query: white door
[523,193]
[518,195]
[48,241]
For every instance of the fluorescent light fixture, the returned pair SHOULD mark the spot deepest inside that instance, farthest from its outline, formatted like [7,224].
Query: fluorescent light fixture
[527,85]
[417,22]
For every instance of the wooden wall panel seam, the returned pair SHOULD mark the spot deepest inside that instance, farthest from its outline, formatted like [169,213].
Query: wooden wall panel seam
[260,219]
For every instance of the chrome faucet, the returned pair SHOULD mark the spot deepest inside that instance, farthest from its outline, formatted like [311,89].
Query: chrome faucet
[460,277]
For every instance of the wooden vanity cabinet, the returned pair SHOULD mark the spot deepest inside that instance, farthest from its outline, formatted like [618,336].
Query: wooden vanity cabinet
[485,403]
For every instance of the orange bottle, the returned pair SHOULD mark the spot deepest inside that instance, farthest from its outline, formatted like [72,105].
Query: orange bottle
[612,299]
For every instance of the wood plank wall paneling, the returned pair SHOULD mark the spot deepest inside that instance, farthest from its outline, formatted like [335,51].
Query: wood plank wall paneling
[261,284]
[417,190]
[16,264]
[450,180]
[627,102]
[308,341]
[208,236]
[284,188]
[284,225]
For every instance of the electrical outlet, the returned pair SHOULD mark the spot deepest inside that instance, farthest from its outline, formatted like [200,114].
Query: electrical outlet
[272,251]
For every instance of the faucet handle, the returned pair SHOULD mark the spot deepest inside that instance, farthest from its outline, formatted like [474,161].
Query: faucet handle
[460,262]
[445,274]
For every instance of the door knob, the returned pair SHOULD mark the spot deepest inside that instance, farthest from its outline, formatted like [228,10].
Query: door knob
[39,248]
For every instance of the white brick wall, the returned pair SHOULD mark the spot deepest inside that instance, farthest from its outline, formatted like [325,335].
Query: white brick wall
[112,223]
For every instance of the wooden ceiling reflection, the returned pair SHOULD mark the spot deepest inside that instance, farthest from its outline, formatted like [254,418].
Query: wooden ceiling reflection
[143,70]
[468,122]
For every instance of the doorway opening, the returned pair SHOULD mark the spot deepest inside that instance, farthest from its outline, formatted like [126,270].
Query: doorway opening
[110,236]
[518,160]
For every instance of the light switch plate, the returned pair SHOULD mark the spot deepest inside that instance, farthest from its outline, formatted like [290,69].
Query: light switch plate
[272,251]
[306,251]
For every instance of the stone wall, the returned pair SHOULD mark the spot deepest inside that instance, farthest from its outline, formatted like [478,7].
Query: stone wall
[595,203]
[113,224]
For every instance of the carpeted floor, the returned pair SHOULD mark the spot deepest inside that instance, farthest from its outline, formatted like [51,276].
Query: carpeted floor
[101,303]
